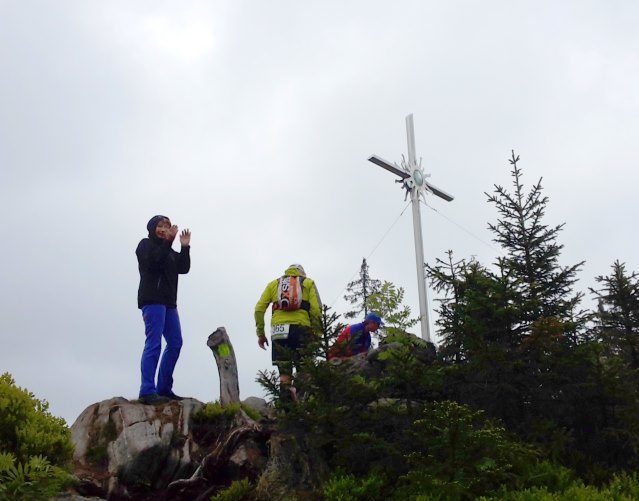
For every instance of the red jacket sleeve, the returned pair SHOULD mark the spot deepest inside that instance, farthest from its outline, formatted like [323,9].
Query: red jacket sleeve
[341,347]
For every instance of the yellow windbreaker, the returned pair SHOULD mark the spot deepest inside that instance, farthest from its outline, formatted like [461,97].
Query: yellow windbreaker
[310,318]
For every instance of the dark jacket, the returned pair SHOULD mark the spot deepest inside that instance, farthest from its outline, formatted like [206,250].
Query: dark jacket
[159,267]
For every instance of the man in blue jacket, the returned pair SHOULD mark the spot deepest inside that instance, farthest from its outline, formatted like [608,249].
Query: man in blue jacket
[159,267]
[355,339]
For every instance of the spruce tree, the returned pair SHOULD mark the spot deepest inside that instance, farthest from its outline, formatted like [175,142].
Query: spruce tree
[358,292]
[614,412]
[475,322]
[513,329]
[474,313]
[446,278]
[543,287]
[549,372]
[618,313]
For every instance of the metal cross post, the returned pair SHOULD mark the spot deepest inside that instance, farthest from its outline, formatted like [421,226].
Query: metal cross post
[414,181]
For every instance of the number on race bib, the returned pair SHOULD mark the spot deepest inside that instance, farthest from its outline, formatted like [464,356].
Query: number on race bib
[279,331]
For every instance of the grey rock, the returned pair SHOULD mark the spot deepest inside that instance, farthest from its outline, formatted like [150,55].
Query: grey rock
[125,450]
[259,404]
[123,446]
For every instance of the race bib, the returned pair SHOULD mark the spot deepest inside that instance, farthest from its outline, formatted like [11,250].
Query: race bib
[279,331]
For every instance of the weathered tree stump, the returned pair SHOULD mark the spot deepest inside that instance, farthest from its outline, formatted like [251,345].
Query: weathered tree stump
[224,354]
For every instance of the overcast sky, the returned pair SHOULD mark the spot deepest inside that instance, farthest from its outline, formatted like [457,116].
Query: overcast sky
[250,123]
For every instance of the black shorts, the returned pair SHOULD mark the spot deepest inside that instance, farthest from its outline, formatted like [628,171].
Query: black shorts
[287,352]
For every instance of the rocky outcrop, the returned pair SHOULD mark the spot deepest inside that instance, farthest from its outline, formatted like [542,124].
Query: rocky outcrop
[130,451]
[372,364]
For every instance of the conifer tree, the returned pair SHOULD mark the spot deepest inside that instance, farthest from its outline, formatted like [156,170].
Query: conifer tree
[550,375]
[474,312]
[476,321]
[543,287]
[513,329]
[446,279]
[614,411]
[618,313]
[358,292]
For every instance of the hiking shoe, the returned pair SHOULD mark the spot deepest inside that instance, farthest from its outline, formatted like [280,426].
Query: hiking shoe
[152,399]
[171,396]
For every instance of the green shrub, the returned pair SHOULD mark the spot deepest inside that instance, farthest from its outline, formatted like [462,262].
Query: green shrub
[552,476]
[456,453]
[346,487]
[239,490]
[214,419]
[28,429]
[35,447]
[34,480]
[215,412]
[623,487]
[252,413]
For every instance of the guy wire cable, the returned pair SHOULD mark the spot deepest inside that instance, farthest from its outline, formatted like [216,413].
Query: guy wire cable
[371,253]
[463,229]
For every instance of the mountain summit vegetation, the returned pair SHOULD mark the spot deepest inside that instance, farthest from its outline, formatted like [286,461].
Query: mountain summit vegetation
[529,395]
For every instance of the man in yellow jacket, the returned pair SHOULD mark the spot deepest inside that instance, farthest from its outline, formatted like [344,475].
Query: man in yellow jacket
[295,321]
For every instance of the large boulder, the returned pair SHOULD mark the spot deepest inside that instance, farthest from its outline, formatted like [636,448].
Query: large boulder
[130,451]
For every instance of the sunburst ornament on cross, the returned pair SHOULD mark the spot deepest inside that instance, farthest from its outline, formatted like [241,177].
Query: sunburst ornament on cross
[416,180]
[413,180]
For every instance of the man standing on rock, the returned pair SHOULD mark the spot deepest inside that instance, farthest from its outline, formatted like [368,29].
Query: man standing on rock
[159,267]
[295,322]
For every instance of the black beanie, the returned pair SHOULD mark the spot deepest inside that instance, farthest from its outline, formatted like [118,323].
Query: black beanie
[153,223]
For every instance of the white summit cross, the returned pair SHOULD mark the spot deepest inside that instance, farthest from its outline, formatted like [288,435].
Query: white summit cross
[414,181]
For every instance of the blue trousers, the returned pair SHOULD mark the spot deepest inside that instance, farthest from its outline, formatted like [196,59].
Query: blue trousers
[160,321]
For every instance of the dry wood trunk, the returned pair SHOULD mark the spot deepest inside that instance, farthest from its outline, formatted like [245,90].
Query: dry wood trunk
[224,354]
